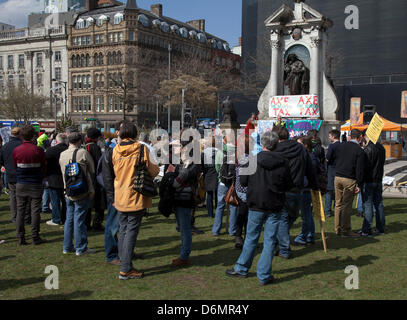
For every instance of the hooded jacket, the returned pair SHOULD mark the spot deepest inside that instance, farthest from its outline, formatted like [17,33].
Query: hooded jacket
[267,187]
[125,157]
[6,158]
[299,163]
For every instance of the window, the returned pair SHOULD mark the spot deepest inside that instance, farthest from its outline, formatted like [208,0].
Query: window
[75,84]
[39,79]
[85,82]
[58,56]
[89,40]
[131,36]
[101,59]
[75,104]
[116,37]
[89,82]
[96,59]
[10,60]
[88,60]
[83,40]
[80,101]
[75,41]
[110,37]
[83,61]
[58,73]
[110,104]
[79,82]
[10,81]
[101,20]
[100,104]
[1,83]
[116,103]
[89,104]
[80,24]
[39,60]
[21,80]
[110,80]
[101,38]
[118,18]
[1,63]
[21,61]
[120,36]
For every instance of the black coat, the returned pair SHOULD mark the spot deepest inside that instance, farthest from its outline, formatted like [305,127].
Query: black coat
[350,162]
[185,185]
[299,162]
[108,174]
[267,187]
[6,158]
[374,167]
[100,195]
[209,170]
[54,174]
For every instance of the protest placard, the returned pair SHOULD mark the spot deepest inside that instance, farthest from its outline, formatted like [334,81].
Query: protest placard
[375,128]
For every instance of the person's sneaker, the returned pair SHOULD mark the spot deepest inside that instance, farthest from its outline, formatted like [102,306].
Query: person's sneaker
[364,234]
[22,242]
[233,273]
[86,252]
[2,241]
[378,233]
[51,223]
[268,281]
[6,192]
[180,262]
[68,251]
[284,257]
[39,241]
[133,274]
[115,262]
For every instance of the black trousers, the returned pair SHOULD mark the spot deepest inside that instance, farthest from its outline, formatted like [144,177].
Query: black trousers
[242,217]
[29,196]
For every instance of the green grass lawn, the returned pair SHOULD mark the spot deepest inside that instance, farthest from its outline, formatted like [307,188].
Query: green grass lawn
[312,274]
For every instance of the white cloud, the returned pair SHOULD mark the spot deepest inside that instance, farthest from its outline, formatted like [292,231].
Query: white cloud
[15,12]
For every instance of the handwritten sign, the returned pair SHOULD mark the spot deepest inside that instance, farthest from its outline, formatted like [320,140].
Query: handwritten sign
[304,106]
[264,126]
[375,128]
[298,128]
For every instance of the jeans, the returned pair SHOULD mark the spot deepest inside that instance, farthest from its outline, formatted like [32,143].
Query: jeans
[329,198]
[111,230]
[373,206]
[361,208]
[210,195]
[58,205]
[183,216]
[287,218]
[307,234]
[75,227]
[28,198]
[255,223]
[46,199]
[130,223]
[217,225]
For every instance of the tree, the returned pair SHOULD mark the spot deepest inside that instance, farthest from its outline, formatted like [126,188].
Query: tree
[200,96]
[21,105]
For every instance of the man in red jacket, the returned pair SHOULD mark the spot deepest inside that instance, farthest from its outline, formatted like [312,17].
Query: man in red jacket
[29,161]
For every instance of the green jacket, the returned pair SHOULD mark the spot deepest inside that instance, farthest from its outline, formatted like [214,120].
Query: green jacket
[41,140]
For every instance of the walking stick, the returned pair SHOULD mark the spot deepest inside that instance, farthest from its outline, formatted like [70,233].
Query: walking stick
[323,235]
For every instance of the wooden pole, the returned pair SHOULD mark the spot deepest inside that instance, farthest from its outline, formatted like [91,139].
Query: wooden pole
[323,236]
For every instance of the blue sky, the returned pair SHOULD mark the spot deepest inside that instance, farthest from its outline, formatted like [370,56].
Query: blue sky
[223,17]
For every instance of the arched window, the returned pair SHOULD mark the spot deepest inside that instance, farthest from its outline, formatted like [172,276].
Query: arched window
[101,59]
[101,20]
[102,81]
[80,24]
[79,82]
[89,22]
[75,85]
[96,59]
[109,59]
[73,63]
[83,62]
[114,58]
[88,60]
[130,79]
[119,58]
[89,82]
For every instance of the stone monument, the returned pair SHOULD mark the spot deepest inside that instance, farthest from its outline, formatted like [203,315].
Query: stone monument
[298,39]
[229,115]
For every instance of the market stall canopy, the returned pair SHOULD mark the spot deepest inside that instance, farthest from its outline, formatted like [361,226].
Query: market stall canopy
[388,125]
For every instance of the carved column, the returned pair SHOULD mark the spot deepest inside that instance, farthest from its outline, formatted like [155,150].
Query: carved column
[275,66]
[314,72]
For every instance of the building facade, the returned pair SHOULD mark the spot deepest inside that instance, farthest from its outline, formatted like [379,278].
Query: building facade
[367,62]
[118,54]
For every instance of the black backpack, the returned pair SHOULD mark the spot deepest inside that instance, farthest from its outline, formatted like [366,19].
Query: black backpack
[167,193]
[75,179]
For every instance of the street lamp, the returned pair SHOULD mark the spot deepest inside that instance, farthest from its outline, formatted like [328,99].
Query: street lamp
[158,98]
[169,78]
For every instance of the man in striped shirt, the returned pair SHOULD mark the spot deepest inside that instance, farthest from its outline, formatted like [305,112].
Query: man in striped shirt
[30,164]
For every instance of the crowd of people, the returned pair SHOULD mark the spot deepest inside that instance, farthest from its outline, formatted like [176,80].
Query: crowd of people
[82,176]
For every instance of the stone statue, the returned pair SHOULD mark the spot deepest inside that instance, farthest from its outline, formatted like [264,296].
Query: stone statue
[228,111]
[296,75]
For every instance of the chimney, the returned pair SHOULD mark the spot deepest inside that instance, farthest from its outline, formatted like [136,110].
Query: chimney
[198,24]
[157,9]
[91,5]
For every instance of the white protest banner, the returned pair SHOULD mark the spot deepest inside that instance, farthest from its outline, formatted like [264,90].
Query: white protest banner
[304,106]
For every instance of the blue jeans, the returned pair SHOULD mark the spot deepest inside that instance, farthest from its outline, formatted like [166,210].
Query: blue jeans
[287,218]
[183,216]
[46,199]
[307,234]
[373,206]
[217,225]
[111,230]
[75,225]
[210,196]
[255,223]
[361,208]
[329,198]
[56,198]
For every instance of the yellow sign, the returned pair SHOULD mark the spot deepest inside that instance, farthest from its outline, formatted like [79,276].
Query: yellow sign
[317,205]
[375,128]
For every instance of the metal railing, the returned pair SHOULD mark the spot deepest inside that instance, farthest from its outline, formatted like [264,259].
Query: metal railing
[26,33]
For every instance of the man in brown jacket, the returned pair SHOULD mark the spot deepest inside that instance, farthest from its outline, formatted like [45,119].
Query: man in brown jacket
[77,207]
[131,204]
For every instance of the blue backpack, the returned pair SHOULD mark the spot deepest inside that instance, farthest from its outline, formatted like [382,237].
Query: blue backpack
[75,179]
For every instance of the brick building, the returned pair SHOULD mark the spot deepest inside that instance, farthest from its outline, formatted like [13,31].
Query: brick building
[119,53]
